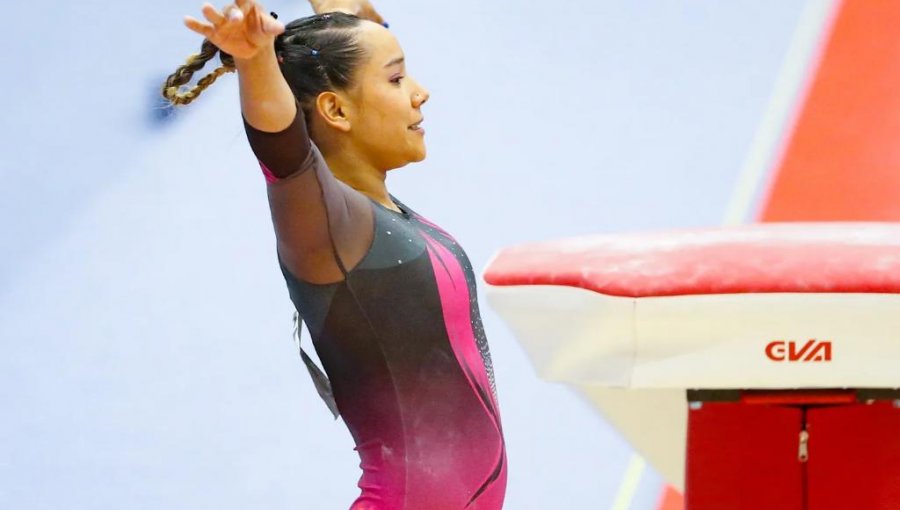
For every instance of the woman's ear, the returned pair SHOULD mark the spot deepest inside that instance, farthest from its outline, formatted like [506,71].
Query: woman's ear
[332,108]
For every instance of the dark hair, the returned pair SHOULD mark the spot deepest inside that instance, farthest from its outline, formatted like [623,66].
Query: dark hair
[316,53]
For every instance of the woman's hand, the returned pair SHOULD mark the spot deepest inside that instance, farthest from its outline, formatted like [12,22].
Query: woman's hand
[240,30]
[361,8]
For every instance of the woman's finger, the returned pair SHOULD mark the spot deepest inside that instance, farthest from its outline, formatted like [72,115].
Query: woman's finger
[244,5]
[253,24]
[271,25]
[234,14]
[212,14]
[368,12]
[202,28]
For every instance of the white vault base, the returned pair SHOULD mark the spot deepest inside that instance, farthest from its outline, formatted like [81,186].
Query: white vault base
[656,347]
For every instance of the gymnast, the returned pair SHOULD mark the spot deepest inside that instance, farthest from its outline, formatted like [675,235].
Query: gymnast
[388,297]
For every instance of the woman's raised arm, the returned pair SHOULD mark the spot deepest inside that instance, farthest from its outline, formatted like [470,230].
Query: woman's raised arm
[323,227]
[361,8]
[248,34]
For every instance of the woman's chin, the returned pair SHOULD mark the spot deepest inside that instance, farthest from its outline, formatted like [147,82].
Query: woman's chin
[416,154]
[412,158]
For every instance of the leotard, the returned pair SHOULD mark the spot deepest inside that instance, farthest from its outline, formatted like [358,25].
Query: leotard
[390,302]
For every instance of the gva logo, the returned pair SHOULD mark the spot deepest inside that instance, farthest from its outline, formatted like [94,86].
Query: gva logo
[812,350]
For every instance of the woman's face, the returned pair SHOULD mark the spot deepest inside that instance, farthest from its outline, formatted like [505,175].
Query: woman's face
[386,103]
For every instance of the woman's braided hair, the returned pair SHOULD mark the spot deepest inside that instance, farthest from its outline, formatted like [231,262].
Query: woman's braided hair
[315,54]
[182,75]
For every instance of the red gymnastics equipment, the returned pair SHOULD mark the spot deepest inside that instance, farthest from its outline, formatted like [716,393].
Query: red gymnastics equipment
[755,366]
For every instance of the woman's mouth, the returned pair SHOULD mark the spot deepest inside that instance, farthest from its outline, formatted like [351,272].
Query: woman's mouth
[417,127]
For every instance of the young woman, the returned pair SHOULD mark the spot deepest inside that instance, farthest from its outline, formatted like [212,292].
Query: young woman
[388,296]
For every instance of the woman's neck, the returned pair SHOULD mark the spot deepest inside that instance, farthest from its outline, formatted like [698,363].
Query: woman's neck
[360,175]
[348,163]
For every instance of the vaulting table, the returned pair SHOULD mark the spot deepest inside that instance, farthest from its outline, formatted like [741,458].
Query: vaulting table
[772,349]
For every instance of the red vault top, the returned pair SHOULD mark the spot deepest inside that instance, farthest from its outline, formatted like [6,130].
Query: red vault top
[759,258]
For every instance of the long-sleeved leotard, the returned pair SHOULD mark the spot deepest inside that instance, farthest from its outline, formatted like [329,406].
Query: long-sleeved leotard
[390,302]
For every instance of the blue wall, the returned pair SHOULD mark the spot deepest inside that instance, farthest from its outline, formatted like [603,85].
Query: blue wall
[146,355]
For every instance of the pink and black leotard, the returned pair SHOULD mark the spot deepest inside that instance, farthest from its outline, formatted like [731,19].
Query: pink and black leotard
[390,302]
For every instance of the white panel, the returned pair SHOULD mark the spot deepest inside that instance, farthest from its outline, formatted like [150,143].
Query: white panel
[653,421]
[719,341]
[656,347]
[710,341]
[570,334]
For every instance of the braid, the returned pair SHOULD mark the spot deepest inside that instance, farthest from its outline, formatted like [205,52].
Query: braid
[315,54]
[183,74]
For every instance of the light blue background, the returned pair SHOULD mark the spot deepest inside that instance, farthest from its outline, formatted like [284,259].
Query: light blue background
[146,356]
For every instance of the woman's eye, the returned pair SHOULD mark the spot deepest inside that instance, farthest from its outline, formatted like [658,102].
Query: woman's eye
[396,80]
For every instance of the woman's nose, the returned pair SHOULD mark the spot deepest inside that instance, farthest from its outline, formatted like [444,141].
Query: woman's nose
[420,96]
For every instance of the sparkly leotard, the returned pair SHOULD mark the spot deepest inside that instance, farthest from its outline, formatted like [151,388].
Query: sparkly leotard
[390,302]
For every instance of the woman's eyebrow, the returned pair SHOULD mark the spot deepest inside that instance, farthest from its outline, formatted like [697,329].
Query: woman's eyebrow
[398,60]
